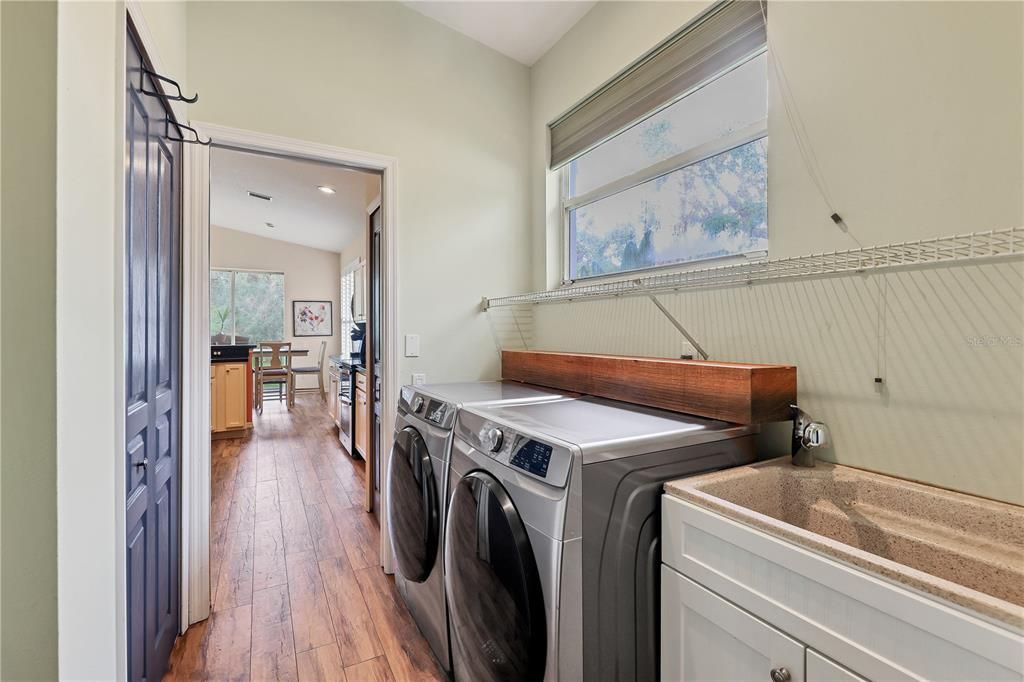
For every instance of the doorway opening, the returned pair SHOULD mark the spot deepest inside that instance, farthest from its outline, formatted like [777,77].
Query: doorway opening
[273,299]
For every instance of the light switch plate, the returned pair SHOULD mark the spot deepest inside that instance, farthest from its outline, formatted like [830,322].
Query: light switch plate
[412,345]
[419,379]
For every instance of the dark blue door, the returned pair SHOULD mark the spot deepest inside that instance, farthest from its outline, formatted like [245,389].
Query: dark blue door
[152,367]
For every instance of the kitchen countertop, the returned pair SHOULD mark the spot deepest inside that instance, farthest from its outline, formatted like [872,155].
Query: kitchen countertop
[338,360]
[960,548]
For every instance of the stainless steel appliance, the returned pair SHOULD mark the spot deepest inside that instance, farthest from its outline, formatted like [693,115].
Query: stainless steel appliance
[416,491]
[538,492]
[345,417]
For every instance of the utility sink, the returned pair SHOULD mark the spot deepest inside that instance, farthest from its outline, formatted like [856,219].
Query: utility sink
[965,549]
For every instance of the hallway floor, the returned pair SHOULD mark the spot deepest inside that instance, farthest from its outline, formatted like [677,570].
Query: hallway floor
[297,590]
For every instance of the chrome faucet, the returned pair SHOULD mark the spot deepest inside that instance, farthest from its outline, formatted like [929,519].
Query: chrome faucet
[807,436]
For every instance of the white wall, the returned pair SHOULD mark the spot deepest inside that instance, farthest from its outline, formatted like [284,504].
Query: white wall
[915,113]
[309,274]
[357,247]
[383,78]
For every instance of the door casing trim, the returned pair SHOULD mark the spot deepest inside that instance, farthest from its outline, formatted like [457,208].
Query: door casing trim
[196,459]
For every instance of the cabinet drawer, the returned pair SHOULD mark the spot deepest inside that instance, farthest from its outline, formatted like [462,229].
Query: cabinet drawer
[823,669]
[361,380]
[705,637]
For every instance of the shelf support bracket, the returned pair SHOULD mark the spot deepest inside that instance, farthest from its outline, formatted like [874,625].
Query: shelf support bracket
[675,323]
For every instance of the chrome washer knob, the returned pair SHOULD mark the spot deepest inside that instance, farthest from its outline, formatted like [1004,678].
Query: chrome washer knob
[492,439]
[781,675]
[417,404]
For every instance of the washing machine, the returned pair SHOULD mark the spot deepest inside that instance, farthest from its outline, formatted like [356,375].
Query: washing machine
[552,553]
[415,484]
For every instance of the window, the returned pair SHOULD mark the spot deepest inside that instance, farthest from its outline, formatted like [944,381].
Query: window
[246,306]
[348,283]
[687,183]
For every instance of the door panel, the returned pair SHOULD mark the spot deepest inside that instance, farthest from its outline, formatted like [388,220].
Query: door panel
[496,604]
[152,376]
[234,396]
[136,557]
[706,638]
[413,514]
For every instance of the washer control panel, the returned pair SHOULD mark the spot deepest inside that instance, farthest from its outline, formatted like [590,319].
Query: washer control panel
[437,412]
[433,410]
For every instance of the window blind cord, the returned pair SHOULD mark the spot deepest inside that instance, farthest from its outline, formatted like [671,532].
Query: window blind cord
[799,128]
[813,168]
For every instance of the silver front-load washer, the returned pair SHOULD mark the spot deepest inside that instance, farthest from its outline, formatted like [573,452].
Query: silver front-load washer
[552,536]
[416,478]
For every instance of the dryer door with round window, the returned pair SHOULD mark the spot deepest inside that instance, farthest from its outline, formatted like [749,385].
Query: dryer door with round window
[494,593]
[413,506]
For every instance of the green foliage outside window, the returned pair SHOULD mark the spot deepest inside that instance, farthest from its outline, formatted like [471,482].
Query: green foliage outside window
[246,307]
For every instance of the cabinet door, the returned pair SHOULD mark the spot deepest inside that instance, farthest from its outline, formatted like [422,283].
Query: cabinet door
[822,669]
[217,397]
[362,422]
[234,396]
[213,397]
[705,638]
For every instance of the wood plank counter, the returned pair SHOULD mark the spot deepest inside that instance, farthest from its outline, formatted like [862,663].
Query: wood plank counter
[735,392]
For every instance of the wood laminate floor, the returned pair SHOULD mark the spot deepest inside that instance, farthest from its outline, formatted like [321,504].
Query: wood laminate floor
[296,587]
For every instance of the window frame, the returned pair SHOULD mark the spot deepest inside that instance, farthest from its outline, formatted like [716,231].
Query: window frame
[234,318]
[683,159]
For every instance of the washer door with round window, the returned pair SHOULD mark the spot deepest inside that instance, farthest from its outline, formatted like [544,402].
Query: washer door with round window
[413,506]
[495,600]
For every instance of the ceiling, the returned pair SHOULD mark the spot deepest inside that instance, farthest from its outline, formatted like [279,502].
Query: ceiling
[300,213]
[523,31]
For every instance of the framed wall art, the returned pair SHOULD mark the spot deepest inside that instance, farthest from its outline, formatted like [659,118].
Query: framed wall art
[312,318]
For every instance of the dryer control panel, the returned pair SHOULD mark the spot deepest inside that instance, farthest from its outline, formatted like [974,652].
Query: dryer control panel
[525,453]
[533,456]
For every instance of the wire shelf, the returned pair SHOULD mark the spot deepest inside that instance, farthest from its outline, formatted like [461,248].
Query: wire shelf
[962,248]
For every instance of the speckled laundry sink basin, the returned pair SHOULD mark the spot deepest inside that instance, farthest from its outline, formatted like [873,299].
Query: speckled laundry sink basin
[965,549]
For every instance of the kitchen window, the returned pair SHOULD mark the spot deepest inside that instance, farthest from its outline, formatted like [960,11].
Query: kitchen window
[246,306]
[348,284]
[686,178]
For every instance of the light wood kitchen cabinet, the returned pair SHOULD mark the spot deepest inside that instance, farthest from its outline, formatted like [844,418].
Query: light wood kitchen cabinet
[228,393]
[362,410]
[216,403]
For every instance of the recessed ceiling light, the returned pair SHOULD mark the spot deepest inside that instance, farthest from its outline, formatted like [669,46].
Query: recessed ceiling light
[325,189]
[271,225]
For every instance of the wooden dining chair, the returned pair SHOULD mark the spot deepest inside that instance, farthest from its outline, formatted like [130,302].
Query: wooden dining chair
[317,369]
[273,366]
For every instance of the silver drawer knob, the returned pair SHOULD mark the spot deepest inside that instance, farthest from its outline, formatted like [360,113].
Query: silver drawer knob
[781,675]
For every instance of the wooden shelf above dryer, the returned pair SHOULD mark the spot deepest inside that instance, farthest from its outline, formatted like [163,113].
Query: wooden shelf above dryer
[729,391]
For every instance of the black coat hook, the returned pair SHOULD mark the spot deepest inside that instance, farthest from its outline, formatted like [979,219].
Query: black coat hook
[180,97]
[182,138]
